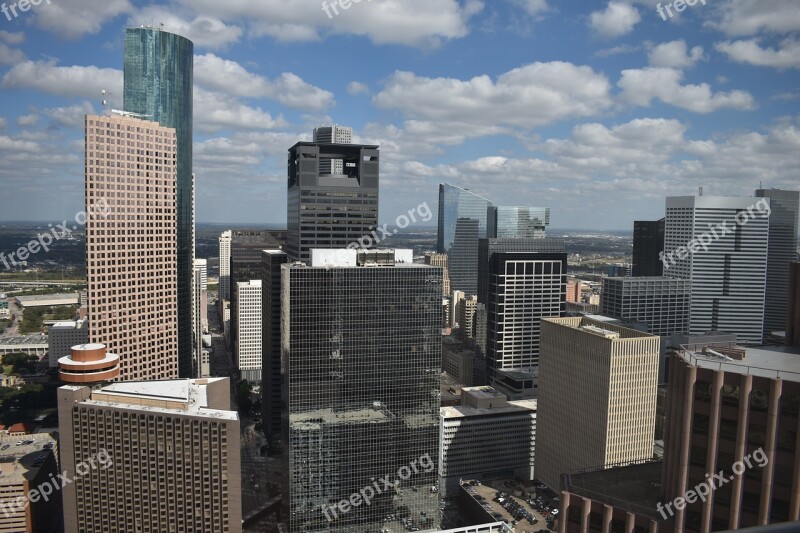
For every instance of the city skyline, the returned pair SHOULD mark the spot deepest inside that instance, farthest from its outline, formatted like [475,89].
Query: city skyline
[723,115]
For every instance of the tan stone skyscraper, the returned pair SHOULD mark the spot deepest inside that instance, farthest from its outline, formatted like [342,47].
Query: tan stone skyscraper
[151,456]
[131,250]
[597,396]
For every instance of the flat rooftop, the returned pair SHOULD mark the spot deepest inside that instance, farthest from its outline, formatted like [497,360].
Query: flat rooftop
[317,418]
[185,396]
[635,488]
[512,407]
[770,362]
[484,392]
[19,462]
[39,298]
[20,340]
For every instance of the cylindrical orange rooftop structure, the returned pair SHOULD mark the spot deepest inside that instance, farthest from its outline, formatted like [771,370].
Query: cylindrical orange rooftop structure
[88,363]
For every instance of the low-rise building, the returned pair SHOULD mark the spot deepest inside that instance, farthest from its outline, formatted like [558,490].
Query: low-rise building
[486,436]
[64,335]
[48,300]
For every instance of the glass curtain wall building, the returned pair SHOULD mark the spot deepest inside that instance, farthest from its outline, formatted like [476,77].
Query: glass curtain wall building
[784,206]
[361,358]
[158,83]
[509,222]
[462,221]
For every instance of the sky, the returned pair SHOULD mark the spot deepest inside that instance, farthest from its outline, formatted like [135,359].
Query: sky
[598,110]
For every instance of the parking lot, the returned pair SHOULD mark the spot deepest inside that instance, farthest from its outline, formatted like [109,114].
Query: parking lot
[526,511]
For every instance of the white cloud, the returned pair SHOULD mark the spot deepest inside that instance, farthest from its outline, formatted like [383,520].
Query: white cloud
[616,20]
[70,116]
[3,123]
[675,54]
[74,81]
[641,86]
[751,53]
[533,7]
[217,111]
[27,120]
[750,17]
[207,32]
[355,88]
[617,50]
[12,38]
[228,76]
[71,19]
[527,97]
[411,22]
[10,56]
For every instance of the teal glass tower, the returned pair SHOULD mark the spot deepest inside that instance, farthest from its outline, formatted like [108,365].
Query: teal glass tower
[158,83]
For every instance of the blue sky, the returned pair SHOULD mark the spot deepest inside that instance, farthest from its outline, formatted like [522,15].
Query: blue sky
[596,109]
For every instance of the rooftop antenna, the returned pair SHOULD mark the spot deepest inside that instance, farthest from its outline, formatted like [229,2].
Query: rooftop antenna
[161,27]
[701,191]
[106,101]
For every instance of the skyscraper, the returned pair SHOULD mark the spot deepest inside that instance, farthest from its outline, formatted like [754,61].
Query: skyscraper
[597,396]
[150,456]
[661,303]
[158,83]
[725,403]
[200,363]
[361,353]
[728,272]
[506,222]
[782,251]
[440,260]
[272,260]
[331,211]
[793,315]
[131,251]
[335,134]
[522,281]
[648,242]
[245,264]
[462,221]
[248,330]
[225,265]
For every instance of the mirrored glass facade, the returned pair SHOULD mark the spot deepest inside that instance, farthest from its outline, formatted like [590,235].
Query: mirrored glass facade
[507,222]
[360,362]
[158,83]
[462,221]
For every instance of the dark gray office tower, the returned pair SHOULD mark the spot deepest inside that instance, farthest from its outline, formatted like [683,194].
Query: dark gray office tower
[522,281]
[331,210]
[661,303]
[648,242]
[271,262]
[782,251]
[245,262]
[361,357]
[158,83]
[505,222]
[462,221]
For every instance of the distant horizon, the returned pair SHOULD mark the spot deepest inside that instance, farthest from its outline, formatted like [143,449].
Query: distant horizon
[280,226]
